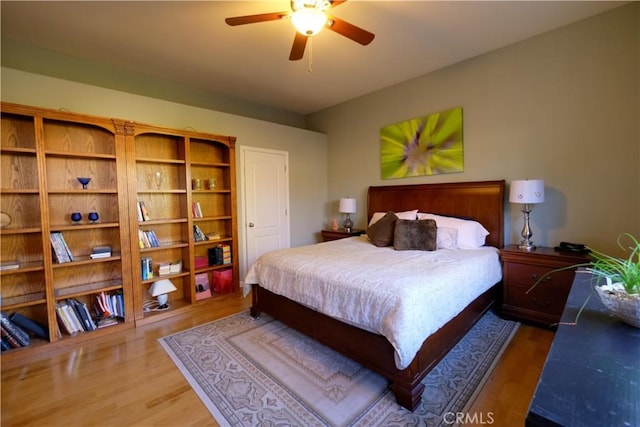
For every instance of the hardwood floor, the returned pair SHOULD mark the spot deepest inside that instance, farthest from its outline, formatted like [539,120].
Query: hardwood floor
[127,379]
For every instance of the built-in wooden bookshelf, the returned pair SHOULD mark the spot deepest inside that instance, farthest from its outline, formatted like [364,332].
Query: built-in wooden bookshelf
[164,164]
[43,152]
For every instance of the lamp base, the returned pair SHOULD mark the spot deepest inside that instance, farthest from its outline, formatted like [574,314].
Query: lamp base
[526,246]
[162,302]
[347,224]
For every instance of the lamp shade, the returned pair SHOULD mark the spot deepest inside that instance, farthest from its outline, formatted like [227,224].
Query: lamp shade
[161,287]
[527,191]
[347,205]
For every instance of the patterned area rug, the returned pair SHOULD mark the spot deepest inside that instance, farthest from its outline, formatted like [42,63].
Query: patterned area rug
[260,372]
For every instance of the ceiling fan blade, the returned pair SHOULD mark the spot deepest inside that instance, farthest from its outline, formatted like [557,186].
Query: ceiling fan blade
[350,31]
[299,44]
[335,3]
[251,19]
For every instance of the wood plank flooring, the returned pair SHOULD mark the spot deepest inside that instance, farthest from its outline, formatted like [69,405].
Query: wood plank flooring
[127,379]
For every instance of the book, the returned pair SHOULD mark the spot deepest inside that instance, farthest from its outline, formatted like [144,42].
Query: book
[196,210]
[100,255]
[164,268]
[59,251]
[139,212]
[63,320]
[198,235]
[6,336]
[14,330]
[202,286]
[73,318]
[101,249]
[226,254]
[106,321]
[200,262]
[66,247]
[176,266]
[29,325]
[153,239]
[83,313]
[9,265]
[146,266]
[144,211]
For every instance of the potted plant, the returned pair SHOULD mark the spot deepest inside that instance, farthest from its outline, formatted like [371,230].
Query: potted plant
[620,292]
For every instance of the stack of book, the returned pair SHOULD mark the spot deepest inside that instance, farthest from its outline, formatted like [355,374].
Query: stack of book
[61,252]
[148,239]
[196,210]
[174,267]
[74,316]
[143,213]
[146,265]
[108,308]
[15,330]
[9,265]
[100,252]
[198,234]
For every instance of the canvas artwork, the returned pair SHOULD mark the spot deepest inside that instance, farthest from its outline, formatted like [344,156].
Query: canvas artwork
[426,145]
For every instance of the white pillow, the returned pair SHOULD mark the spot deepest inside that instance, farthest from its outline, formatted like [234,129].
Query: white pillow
[401,215]
[471,234]
[447,238]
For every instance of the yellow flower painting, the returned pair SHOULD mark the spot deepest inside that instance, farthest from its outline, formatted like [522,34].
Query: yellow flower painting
[427,145]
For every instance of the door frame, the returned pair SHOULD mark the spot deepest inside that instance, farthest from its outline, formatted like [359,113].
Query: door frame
[242,205]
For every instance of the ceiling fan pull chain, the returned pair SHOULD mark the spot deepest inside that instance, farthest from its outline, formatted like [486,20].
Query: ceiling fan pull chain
[310,66]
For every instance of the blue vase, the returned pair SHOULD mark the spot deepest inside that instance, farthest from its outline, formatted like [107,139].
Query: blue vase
[76,217]
[93,216]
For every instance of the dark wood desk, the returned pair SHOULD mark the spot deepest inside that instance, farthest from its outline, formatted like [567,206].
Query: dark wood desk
[592,373]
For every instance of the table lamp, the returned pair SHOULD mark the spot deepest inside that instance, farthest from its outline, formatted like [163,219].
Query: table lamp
[527,192]
[347,206]
[160,289]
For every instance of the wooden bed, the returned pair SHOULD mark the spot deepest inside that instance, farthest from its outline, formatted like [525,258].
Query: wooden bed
[482,201]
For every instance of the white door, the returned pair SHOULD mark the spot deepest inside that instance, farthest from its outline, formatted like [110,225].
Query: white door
[265,181]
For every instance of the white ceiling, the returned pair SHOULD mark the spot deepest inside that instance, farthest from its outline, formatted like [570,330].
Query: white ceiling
[189,43]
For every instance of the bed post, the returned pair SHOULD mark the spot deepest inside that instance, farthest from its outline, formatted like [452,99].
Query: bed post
[406,396]
[255,310]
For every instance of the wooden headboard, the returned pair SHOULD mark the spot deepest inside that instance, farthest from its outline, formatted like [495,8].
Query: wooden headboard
[482,201]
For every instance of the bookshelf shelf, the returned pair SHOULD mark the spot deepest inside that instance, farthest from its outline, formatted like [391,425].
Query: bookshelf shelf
[87,289]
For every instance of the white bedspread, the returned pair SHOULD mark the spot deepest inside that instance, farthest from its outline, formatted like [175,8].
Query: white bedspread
[404,295]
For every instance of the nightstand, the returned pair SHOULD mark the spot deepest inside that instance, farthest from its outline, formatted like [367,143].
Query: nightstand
[521,270]
[341,233]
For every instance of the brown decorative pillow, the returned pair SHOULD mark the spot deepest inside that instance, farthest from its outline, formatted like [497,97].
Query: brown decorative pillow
[420,234]
[381,232]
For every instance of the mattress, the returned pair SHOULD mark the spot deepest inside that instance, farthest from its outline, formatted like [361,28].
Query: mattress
[403,295]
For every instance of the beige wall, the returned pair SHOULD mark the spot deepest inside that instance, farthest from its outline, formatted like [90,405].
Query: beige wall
[308,185]
[563,107]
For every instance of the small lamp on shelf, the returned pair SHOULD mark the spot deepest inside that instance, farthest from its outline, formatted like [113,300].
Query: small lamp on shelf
[160,289]
[347,206]
[527,192]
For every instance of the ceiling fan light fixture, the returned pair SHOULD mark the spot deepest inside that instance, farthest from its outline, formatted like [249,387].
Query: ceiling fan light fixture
[308,20]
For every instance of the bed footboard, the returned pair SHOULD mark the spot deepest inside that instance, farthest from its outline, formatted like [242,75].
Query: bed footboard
[372,350]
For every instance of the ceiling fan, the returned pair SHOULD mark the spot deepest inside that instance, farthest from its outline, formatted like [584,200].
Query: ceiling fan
[309,17]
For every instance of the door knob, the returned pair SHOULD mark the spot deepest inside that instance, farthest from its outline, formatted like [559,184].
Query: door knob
[251,224]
